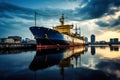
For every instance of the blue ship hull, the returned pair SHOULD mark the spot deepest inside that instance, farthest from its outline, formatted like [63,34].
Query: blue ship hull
[46,37]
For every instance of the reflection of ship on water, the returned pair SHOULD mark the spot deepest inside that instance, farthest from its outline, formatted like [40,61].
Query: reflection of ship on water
[46,58]
[62,57]
[67,62]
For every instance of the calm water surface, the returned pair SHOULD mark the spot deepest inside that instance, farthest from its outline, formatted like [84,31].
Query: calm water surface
[75,63]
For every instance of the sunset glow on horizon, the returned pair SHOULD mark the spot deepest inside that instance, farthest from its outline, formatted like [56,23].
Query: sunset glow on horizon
[108,35]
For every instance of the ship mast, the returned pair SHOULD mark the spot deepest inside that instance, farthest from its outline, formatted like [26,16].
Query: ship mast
[35,18]
[62,19]
[76,29]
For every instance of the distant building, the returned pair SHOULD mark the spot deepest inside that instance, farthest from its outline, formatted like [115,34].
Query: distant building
[114,40]
[32,42]
[102,42]
[7,40]
[11,39]
[86,40]
[92,38]
[29,41]
[17,39]
[111,40]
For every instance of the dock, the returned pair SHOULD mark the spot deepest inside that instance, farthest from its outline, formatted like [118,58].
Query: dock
[17,46]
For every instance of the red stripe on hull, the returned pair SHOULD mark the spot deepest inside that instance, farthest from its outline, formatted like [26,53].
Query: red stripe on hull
[55,46]
[51,46]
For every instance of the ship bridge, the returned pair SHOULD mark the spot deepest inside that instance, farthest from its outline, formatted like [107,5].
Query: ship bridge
[66,29]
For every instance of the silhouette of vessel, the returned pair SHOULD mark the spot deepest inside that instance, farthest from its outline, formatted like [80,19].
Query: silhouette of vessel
[60,36]
[50,57]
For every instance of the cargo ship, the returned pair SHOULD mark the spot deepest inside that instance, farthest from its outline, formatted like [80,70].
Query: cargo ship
[58,37]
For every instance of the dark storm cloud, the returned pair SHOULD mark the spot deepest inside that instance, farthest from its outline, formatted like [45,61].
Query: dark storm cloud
[10,11]
[9,19]
[97,8]
[49,13]
[13,8]
[112,23]
[91,9]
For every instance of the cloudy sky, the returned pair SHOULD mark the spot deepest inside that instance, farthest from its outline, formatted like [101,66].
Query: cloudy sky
[98,17]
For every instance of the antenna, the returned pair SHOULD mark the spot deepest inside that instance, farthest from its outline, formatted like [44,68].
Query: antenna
[76,29]
[35,17]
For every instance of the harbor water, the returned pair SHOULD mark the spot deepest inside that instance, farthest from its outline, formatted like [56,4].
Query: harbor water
[74,63]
